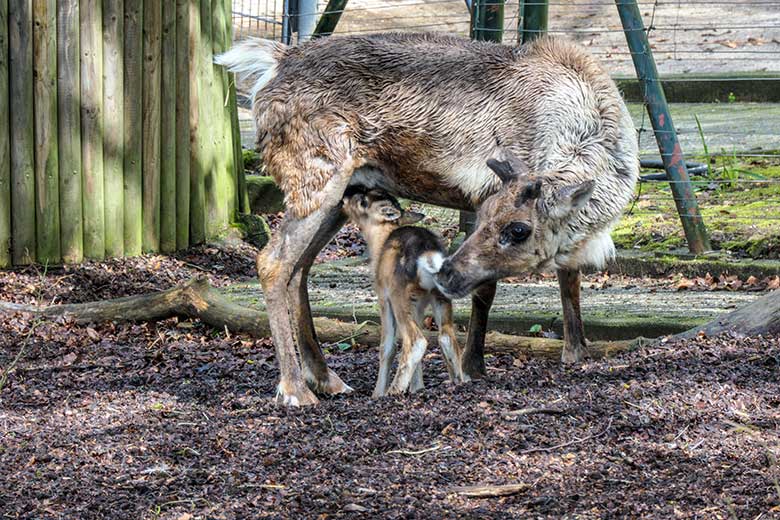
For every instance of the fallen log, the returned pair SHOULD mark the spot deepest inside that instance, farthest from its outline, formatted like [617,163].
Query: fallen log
[197,299]
[761,316]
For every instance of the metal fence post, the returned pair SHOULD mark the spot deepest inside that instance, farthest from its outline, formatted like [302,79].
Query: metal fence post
[487,20]
[487,24]
[532,21]
[330,18]
[307,19]
[665,134]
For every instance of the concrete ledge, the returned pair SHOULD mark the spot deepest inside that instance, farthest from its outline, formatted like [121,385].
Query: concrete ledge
[710,88]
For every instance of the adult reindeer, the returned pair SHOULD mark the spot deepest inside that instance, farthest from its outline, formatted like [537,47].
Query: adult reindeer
[418,115]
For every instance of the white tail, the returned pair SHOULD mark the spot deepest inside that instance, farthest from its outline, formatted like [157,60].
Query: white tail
[253,60]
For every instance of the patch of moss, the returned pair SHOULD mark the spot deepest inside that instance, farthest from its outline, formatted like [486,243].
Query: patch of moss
[741,218]
[252,160]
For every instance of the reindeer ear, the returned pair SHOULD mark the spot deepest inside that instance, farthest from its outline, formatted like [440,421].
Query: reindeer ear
[568,199]
[390,213]
[410,217]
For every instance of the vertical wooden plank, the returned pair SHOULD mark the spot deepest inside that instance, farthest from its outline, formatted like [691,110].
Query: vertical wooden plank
[224,173]
[47,206]
[5,144]
[183,68]
[197,156]
[238,156]
[69,129]
[222,41]
[91,12]
[113,131]
[21,132]
[132,92]
[152,80]
[168,129]
[209,124]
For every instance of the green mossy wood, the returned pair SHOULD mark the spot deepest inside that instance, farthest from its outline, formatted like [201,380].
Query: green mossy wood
[168,131]
[151,84]
[183,123]
[133,104]
[92,174]
[5,144]
[47,206]
[122,135]
[21,132]
[113,126]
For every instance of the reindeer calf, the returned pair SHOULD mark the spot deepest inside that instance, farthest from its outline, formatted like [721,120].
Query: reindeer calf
[404,260]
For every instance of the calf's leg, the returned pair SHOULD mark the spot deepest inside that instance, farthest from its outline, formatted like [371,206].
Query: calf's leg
[574,343]
[448,343]
[388,349]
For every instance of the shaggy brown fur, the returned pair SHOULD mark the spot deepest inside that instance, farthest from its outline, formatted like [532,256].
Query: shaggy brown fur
[418,115]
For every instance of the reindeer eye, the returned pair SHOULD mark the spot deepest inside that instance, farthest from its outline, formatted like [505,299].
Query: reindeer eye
[363,202]
[515,232]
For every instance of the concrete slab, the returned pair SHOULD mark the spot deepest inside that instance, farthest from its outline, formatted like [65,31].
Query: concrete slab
[344,290]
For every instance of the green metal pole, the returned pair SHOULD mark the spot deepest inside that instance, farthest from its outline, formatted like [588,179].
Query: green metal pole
[330,18]
[487,20]
[665,134]
[533,19]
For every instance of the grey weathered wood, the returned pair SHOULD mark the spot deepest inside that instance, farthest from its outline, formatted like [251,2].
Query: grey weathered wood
[198,162]
[5,144]
[113,126]
[132,124]
[47,205]
[152,81]
[91,13]
[224,174]
[183,70]
[21,131]
[168,130]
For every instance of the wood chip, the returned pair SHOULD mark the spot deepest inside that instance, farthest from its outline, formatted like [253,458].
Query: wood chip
[490,491]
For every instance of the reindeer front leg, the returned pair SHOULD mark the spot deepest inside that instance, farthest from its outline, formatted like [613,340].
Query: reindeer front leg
[474,354]
[282,267]
[575,346]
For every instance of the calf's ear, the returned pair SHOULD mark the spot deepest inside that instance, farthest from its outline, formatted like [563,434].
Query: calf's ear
[410,217]
[508,169]
[567,200]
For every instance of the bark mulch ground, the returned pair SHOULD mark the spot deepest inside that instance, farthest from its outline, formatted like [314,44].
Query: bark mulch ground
[174,420]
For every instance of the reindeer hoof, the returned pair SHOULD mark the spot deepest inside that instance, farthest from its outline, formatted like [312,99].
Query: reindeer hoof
[464,378]
[334,385]
[295,395]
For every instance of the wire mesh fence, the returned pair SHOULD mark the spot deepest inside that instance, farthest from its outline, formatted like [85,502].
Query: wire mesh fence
[735,44]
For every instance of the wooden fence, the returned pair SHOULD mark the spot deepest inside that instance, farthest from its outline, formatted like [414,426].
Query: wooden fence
[122,136]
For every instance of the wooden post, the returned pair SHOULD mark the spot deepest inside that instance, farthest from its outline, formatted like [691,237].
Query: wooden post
[168,131]
[91,12]
[113,125]
[183,71]
[5,144]
[47,206]
[225,170]
[210,100]
[197,165]
[133,72]
[21,132]
[151,83]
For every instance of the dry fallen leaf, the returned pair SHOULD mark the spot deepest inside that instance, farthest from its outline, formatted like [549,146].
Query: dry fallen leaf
[731,44]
